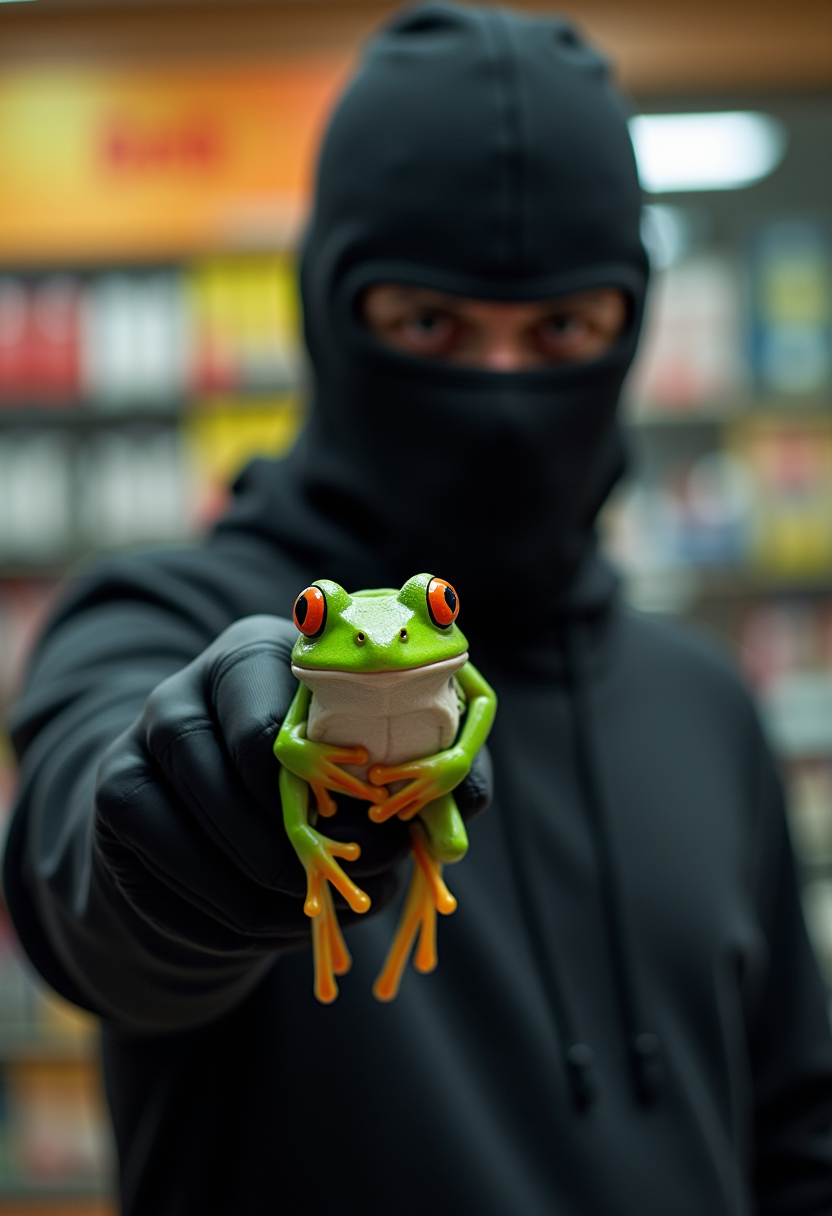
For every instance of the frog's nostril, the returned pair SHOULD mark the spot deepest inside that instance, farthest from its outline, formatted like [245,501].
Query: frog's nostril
[360,638]
[403,634]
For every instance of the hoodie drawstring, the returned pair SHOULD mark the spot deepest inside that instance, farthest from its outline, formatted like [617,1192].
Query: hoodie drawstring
[642,1045]
[578,1057]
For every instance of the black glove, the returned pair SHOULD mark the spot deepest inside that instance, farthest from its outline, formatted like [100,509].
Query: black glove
[188,818]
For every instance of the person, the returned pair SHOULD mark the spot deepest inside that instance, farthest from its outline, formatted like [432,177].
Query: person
[626,1016]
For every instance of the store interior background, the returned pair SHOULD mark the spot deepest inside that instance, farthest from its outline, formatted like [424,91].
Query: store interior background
[155,161]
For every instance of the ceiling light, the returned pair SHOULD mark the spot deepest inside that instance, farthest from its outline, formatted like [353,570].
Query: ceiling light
[666,233]
[717,151]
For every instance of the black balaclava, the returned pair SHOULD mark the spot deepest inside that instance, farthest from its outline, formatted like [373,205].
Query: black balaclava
[483,153]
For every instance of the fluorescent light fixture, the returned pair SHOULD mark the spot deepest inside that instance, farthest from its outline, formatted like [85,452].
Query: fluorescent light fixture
[666,233]
[717,151]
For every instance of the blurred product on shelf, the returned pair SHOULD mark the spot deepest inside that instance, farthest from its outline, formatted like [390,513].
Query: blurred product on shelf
[695,512]
[131,489]
[692,350]
[811,817]
[134,340]
[757,494]
[789,466]
[810,821]
[723,330]
[221,440]
[40,340]
[62,495]
[791,310]
[149,340]
[35,496]
[244,326]
[24,606]
[786,649]
[817,905]
[171,379]
[54,1134]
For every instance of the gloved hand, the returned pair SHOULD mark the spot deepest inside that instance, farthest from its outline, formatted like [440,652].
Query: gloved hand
[188,817]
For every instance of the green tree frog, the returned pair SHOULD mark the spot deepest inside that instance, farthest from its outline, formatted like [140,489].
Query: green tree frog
[385,681]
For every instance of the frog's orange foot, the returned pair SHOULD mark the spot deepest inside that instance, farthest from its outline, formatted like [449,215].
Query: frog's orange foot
[409,800]
[321,867]
[329,950]
[426,895]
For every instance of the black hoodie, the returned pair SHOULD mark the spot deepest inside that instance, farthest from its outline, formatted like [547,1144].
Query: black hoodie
[626,1017]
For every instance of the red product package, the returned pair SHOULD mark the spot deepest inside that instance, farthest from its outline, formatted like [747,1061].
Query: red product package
[15,342]
[55,356]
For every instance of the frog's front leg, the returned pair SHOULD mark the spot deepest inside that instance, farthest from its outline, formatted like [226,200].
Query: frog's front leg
[441,836]
[319,764]
[428,780]
[317,852]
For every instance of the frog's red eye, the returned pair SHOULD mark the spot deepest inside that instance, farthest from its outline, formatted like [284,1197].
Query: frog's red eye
[309,613]
[443,603]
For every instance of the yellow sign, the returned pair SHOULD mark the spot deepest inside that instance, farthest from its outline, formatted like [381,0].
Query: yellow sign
[161,162]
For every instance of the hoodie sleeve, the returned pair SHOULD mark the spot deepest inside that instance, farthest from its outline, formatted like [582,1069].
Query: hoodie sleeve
[791,1045]
[119,632]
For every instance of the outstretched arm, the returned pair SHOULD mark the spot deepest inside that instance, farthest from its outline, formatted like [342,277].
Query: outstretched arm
[147,870]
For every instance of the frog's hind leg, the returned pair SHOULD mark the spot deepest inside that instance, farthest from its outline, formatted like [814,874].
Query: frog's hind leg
[387,984]
[329,950]
[318,854]
[427,895]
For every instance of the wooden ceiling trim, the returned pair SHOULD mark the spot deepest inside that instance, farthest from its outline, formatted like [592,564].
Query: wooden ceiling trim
[658,47]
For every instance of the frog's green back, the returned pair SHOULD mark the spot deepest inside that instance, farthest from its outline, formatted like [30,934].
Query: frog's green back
[379,629]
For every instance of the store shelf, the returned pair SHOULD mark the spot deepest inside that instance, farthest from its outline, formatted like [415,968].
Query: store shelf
[713,417]
[88,415]
[678,590]
[745,582]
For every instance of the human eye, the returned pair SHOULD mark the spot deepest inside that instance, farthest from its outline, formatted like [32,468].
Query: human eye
[561,325]
[429,331]
[563,336]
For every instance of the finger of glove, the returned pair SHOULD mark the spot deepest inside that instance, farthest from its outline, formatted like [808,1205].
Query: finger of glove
[187,748]
[250,687]
[473,795]
[184,744]
[196,765]
[154,823]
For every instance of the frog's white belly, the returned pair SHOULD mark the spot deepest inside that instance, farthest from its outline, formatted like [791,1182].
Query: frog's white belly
[397,715]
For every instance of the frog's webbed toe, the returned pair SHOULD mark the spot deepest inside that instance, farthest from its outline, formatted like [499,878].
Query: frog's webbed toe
[426,896]
[325,804]
[329,950]
[321,867]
